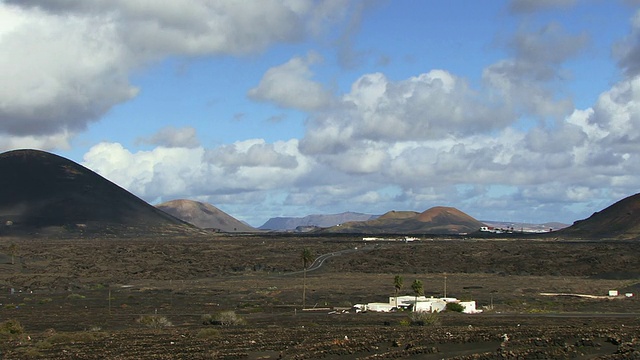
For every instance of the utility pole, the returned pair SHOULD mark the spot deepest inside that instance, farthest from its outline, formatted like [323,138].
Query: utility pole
[445,285]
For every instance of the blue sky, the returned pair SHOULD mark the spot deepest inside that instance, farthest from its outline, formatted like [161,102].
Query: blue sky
[513,110]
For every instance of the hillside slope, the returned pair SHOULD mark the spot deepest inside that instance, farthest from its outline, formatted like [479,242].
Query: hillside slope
[204,216]
[437,220]
[42,190]
[618,221]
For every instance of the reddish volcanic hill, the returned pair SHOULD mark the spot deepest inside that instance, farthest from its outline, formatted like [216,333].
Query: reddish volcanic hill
[42,190]
[618,221]
[437,220]
[204,216]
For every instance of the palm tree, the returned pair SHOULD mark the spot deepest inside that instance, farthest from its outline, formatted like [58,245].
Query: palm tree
[307,258]
[418,289]
[397,283]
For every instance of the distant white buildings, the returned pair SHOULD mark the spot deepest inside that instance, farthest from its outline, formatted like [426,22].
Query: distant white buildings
[420,304]
[404,239]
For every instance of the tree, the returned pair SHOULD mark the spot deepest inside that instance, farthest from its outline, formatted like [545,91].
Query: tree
[397,284]
[307,258]
[418,290]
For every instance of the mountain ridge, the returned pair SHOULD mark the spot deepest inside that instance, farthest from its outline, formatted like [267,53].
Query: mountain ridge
[314,220]
[204,216]
[436,220]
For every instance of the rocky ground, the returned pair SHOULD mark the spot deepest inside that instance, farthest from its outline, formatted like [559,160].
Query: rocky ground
[93,299]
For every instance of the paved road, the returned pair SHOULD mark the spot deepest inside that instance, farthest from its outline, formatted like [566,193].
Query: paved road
[319,261]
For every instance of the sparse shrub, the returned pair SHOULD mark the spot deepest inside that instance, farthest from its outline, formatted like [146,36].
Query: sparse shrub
[154,321]
[405,322]
[455,307]
[11,328]
[208,333]
[421,318]
[224,318]
[75,297]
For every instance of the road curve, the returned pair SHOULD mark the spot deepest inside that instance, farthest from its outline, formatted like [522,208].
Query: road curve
[319,261]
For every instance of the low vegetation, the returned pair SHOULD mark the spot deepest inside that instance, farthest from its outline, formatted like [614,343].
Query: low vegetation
[208,333]
[154,321]
[455,307]
[11,329]
[420,318]
[224,318]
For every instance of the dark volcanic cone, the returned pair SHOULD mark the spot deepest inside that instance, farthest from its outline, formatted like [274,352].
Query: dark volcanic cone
[618,221]
[39,189]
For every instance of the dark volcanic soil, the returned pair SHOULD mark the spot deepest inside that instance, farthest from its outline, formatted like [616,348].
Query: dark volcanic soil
[84,299]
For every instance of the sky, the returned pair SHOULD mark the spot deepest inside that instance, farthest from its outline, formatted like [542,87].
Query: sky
[508,110]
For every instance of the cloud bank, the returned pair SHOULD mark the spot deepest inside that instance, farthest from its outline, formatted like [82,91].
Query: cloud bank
[511,140]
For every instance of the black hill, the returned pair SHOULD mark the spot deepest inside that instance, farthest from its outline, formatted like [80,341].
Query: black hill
[618,221]
[40,190]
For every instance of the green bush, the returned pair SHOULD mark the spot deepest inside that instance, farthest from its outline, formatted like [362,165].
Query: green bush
[421,318]
[455,307]
[154,321]
[224,318]
[208,333]
[11,328]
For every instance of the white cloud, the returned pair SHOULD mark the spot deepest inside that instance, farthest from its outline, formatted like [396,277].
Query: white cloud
[628,50]
[67,63]
[57,141]
[173,137]
[425,107]
[247,166]
[530,82]
[290,86]
[58,73]
[254,154]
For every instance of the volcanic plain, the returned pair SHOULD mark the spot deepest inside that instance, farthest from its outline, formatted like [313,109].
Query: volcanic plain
[88,298]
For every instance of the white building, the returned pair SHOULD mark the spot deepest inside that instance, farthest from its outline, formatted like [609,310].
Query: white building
[431,304]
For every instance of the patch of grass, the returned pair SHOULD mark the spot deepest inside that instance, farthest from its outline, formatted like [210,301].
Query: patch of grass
[208,333]
[75,337]
[154,321]
[75,297]
[45,300]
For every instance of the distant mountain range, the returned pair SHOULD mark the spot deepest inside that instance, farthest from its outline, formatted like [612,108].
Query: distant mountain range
[313,221]
[45,193]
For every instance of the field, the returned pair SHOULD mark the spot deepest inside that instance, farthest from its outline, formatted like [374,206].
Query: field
[163,298]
